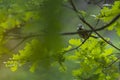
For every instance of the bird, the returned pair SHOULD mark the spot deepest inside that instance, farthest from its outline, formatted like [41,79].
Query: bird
[83,32]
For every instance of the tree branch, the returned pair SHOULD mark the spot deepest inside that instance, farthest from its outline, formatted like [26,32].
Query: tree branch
[99,29]
[111,22]
[75,47]
[113,62]
[91,27]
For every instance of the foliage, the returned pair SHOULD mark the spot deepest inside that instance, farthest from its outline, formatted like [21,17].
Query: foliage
[25,21]
[94,59]
[30,36]
[108,13]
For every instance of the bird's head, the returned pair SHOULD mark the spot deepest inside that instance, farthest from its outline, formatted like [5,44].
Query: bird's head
[80,27]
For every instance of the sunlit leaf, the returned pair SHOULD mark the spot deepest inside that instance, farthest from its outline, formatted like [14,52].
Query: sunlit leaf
[74,42]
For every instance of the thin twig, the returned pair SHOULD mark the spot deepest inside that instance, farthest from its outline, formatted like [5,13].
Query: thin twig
[23,39]
[113,62]
[18,44]
[77,46]
[111,22]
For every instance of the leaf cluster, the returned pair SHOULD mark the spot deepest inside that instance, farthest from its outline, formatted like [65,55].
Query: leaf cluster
[108,13]
[93,59]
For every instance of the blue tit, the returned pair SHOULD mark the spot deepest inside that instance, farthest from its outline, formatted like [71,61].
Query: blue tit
[83,33]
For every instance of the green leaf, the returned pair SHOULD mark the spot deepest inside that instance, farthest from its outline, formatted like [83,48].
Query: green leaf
[33,67]
[107,14]
[111,27]
[83,13]
[118,30]
[75,42]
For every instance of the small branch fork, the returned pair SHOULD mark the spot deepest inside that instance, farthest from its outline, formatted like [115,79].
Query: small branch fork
[113,62]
